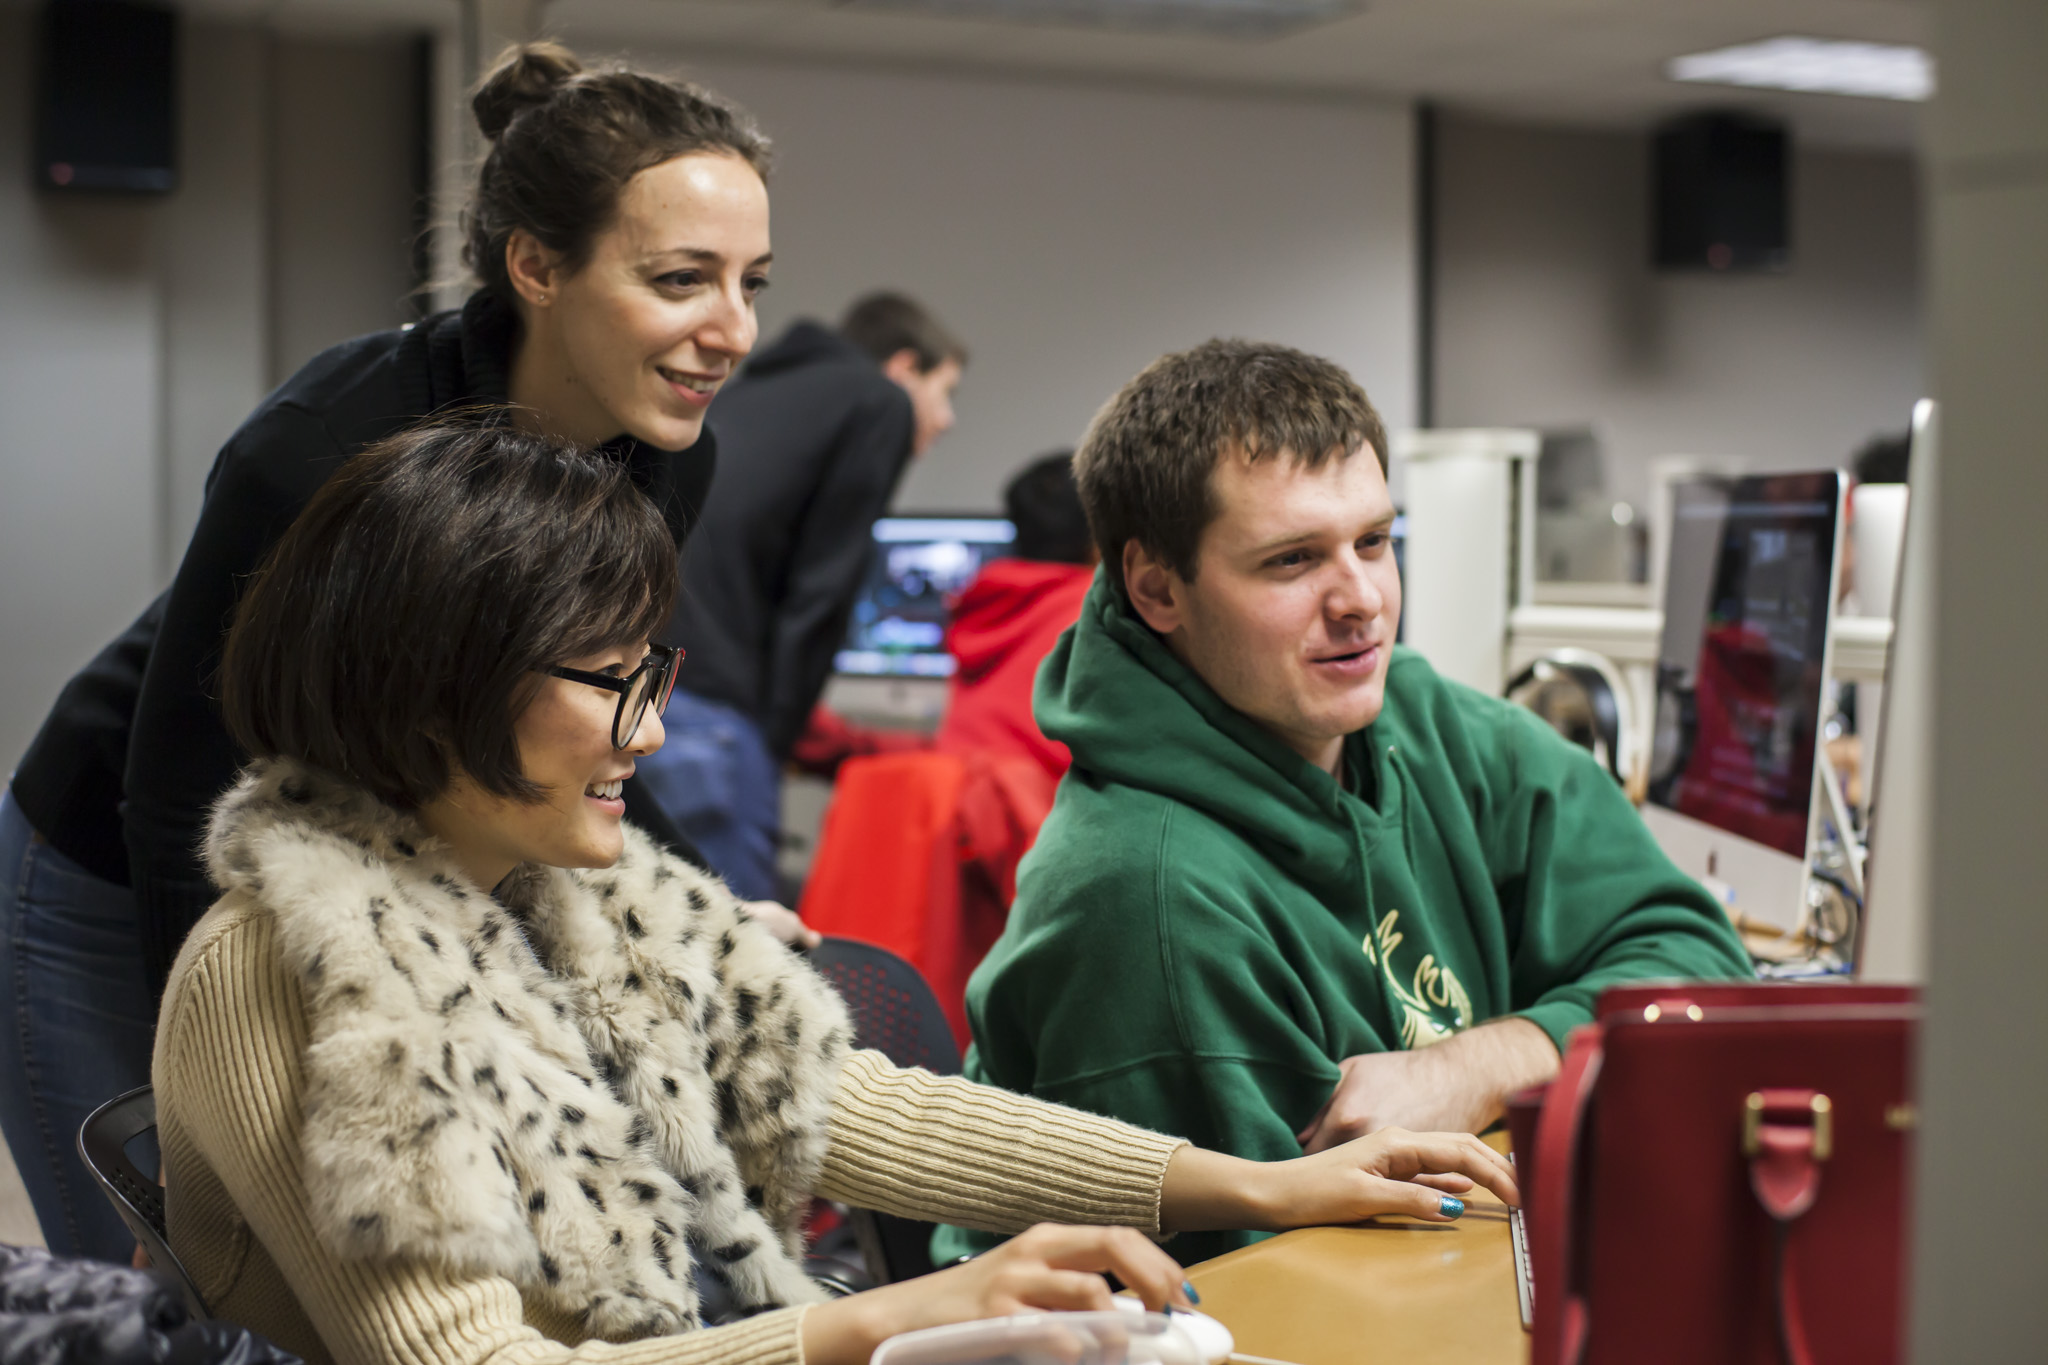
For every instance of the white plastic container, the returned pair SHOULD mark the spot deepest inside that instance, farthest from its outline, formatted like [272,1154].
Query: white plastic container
[1122,1338]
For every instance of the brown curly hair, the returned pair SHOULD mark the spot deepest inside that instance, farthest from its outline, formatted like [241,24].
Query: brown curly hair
[1144,467]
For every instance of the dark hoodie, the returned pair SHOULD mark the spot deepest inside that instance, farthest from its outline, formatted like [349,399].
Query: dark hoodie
[1004,624]
[813,438]
[1209,923]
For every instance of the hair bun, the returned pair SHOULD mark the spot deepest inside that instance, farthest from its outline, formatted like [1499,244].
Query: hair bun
[525,75]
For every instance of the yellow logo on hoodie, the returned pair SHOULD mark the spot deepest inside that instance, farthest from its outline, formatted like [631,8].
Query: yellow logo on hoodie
[1433,1004]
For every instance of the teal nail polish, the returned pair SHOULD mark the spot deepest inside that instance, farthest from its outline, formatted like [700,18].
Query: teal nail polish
[1189,1290]
[1449,1207]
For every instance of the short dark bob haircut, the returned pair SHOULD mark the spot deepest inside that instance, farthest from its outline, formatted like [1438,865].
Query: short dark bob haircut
[1145,466]
[393,634]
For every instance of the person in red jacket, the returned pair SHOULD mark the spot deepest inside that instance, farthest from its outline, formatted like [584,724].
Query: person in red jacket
[919,852]
[1007,620]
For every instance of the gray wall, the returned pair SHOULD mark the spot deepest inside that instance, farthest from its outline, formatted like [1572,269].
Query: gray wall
[215,278]
[81,382]
[1549,315]
[137,333]
[1072,233]
[343,134]
[1982,1191]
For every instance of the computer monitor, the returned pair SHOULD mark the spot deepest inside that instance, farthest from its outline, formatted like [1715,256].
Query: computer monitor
[1749,597]
[920,562]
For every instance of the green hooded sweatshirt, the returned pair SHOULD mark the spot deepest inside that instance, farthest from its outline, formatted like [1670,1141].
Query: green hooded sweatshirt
[1208,923]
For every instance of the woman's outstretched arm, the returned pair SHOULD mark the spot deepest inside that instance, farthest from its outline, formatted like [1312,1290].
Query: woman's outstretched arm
[948,1150]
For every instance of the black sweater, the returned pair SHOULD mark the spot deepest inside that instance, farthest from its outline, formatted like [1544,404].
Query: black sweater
[124,770]
[815,437]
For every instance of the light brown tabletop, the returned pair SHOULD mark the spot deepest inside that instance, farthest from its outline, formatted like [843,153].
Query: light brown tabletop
[1395,1291]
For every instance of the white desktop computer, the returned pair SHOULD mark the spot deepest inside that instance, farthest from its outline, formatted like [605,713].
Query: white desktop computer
[1749,597]
[1468,558]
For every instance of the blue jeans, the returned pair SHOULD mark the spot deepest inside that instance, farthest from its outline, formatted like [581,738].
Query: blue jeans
[718,782]
[75,1026]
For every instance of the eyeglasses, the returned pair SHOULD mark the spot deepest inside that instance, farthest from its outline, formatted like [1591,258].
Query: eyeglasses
[648,685]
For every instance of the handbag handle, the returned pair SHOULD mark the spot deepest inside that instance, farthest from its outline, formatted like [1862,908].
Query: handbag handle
[1561,1315]
[1786,1135]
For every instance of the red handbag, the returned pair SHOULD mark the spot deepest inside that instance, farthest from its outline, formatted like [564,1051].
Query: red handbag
[1718,1177]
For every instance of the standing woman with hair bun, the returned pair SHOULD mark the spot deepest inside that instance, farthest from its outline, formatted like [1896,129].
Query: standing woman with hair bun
[619,231]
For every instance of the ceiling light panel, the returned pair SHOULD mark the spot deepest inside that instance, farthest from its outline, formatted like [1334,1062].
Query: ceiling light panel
[1823,66]
[1214,18]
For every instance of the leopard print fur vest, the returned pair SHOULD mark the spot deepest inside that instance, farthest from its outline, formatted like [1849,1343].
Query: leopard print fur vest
[580,1086]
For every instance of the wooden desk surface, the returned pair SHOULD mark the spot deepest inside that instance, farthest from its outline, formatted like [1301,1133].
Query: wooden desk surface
[1394,1291]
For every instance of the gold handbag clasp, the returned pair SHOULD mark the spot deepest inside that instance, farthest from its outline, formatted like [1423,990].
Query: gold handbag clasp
[1781,1106]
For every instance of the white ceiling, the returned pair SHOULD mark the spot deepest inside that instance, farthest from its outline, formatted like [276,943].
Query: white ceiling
[1594,63]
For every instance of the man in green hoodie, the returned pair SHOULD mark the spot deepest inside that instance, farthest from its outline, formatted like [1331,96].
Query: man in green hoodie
[1297,887]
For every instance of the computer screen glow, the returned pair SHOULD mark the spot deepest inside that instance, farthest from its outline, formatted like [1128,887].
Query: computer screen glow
[920,564]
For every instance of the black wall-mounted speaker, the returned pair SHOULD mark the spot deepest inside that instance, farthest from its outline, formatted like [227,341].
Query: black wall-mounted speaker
[1719,194]
[106,97]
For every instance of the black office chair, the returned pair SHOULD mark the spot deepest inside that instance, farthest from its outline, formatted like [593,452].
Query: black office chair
[896,1014]
[103,1144]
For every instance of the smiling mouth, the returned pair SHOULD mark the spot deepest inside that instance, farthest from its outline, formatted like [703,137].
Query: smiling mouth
[693,382]
[606,791]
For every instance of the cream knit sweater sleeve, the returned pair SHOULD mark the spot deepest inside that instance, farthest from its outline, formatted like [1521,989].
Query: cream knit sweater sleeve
[945,1149]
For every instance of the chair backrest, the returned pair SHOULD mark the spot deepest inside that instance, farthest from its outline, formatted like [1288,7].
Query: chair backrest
[895,1013]
[103,1144]
[894,1010]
